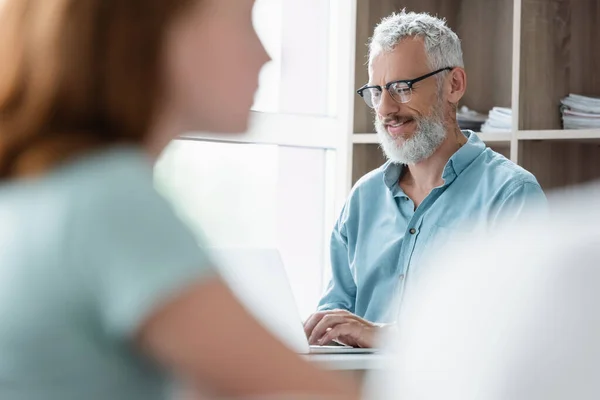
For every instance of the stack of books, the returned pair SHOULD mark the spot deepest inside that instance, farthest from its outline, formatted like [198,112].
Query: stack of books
[499,120]
[470,119]
[580,112]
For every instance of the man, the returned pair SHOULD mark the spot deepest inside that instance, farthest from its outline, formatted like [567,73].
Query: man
[438,181]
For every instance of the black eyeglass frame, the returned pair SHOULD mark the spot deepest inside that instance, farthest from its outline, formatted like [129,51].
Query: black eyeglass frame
[408,82]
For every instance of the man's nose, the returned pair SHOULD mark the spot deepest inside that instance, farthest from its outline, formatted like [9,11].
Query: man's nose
[388,106]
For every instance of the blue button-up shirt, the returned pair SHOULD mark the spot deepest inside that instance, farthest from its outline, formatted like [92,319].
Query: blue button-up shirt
[379,237]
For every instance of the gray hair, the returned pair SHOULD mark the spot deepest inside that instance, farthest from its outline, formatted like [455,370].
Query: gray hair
[442,45]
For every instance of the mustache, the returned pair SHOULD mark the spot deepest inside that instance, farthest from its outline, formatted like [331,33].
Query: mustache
[397,118]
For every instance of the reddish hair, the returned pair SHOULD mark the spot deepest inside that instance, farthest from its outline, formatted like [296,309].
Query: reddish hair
[76,75]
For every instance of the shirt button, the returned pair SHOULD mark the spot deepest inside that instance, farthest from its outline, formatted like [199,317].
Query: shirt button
[401,278]
[412,231]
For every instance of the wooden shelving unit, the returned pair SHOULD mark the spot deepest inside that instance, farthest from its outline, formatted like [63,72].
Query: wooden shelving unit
[524,54]
[589,135]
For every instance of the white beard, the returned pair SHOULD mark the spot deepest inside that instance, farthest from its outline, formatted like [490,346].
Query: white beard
[428,137]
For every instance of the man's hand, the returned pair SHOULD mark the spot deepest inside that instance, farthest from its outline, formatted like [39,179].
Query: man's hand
[342,326]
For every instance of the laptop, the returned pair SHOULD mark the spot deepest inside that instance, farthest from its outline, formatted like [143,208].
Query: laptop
[258,279]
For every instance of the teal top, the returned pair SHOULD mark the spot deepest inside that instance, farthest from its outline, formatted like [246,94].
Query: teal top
[87,253]
[380,239]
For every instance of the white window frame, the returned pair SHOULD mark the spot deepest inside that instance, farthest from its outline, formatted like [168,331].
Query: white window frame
[315,131]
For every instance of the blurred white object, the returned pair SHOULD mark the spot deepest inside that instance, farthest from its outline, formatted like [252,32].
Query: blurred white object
[499,120]
[580,112]
[258,279]
[470,119]
[582,103]
[515,316]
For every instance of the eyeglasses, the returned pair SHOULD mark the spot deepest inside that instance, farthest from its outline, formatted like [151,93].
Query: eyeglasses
[400,91]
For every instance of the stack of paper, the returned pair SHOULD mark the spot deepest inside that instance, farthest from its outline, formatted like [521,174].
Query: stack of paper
[499,120]
[470,119]
[580,112]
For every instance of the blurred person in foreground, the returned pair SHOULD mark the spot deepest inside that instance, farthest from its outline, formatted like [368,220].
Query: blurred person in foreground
[517,318]
[439,181]
[104,293]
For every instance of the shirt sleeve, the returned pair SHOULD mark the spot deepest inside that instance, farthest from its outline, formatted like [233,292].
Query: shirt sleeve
[341,290]
[138,254]
[524,199]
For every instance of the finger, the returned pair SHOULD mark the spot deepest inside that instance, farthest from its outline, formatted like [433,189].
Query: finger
[346,330]
[327,322]
[345,340]
[314,319]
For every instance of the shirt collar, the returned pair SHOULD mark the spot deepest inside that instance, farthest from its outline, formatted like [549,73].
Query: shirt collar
[454,167]
[466,154]
[391,174]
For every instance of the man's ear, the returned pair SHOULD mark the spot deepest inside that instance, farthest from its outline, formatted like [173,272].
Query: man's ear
[456,84]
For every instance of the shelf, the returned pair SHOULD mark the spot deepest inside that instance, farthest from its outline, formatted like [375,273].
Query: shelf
[366,138]
[496,137]
[560,134]
[500,137]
